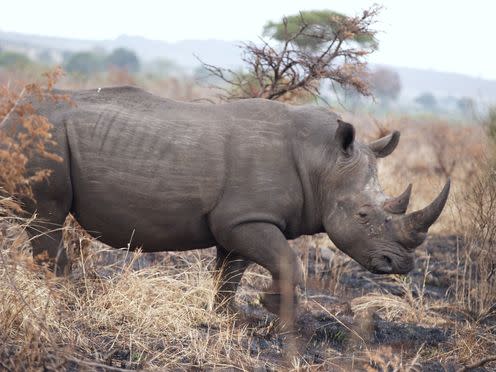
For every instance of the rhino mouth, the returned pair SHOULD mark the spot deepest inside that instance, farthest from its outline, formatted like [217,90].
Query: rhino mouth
[392,263]
[384,267]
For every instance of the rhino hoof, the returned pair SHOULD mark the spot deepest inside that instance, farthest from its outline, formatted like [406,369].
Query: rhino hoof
[272,302]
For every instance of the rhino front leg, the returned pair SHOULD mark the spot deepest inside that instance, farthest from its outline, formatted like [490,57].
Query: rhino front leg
[230,267]
[265,244]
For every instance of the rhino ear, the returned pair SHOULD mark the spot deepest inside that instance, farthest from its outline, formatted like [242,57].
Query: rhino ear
[385,145]
[345,136]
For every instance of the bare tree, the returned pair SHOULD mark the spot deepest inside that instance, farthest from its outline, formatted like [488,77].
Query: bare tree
[277,69]
[385,83]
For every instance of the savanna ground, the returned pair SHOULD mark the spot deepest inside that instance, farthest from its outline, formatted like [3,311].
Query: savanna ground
[122,310]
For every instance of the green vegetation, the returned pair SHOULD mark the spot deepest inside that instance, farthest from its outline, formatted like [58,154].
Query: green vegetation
[466,105]
[125,59]
[323,25]
[85,63]
[14,59]
[427,101]
[91,62]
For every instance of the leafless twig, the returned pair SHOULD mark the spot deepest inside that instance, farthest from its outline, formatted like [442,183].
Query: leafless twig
[478,364]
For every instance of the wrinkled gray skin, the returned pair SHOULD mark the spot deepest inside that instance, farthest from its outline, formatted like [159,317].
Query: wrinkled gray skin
[244,176]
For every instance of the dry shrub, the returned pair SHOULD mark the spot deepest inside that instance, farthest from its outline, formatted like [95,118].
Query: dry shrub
[33,139]
[436,149]
[24,340]
[451,147]
[475,287]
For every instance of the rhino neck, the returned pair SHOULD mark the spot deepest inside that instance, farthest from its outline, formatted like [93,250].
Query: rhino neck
[311,211]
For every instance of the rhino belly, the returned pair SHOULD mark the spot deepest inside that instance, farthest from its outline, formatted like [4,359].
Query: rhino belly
[121,219]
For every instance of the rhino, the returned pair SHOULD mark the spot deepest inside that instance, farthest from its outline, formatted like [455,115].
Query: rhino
[244,176]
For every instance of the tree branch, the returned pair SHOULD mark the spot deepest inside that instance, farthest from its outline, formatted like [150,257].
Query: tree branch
[273,72]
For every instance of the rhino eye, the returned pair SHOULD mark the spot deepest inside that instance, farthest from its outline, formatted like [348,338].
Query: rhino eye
[363,214]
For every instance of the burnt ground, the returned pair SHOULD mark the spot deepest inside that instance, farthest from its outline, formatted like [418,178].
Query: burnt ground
[329,334]
[327,327]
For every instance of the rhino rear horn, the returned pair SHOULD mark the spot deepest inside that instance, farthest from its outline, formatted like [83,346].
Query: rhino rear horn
[421,220]
[399,204]
[385,145]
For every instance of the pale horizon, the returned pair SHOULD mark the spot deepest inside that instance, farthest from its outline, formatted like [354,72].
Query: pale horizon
[444,37]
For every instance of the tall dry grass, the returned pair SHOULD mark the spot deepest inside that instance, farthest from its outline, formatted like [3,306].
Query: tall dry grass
[111,314]
[475,287]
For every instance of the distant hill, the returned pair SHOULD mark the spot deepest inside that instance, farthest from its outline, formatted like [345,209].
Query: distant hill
[228,54]
[441,84]
[218,52]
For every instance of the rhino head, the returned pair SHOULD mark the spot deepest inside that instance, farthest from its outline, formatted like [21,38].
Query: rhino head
[361,220]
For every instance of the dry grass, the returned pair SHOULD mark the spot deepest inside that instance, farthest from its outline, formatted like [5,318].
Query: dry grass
[385,359]
[476,286]
[156,317]
[410,306]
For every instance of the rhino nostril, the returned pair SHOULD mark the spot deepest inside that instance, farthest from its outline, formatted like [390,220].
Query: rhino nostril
[383,265]
[388,261]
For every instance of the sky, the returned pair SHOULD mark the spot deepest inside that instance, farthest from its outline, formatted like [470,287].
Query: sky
[452,36]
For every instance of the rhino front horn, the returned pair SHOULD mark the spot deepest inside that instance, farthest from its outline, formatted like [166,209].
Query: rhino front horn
[421,220]
[399,204]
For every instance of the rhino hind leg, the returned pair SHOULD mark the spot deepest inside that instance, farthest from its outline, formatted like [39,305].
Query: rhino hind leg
[230,267]
[51,205]
[48,247]
[264,244]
